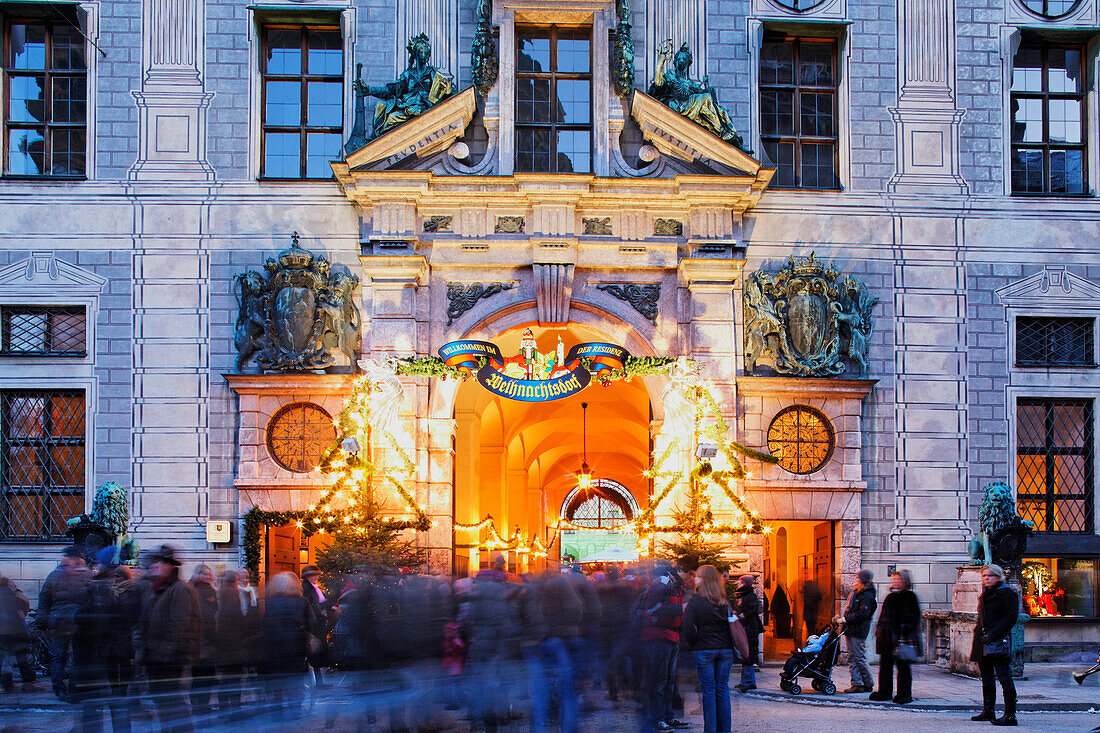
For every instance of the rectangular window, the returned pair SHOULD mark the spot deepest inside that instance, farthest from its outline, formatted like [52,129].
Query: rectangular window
[41,462]
[798,110]
[1054,342]
[46,98]
[553,100]
[1048,119]
[302,101]
[1058,586]
[1054,463]
[43,331]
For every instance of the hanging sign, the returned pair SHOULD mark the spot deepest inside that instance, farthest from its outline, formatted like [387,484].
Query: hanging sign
[530,376]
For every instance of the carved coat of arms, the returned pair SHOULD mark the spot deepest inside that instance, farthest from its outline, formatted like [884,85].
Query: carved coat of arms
[298,315]
[807,320]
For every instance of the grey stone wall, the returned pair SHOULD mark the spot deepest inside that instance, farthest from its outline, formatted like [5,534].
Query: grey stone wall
[872,81]
[117,74]
[979,93]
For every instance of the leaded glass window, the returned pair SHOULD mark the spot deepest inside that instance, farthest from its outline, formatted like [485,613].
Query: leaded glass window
[1048,119]
[43,331]
[603,506]
[298,436]
[801,438]
[1054,342]
[553,100]
[1054,463]
[42,459]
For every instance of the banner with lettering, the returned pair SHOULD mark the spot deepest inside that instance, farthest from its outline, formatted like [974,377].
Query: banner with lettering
[530,376]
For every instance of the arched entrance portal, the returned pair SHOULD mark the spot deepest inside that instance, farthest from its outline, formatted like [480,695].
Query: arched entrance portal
[517,461]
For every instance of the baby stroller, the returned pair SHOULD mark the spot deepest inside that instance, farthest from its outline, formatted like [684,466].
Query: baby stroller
[815,660]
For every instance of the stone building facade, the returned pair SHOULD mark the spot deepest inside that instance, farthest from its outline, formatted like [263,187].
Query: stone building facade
[941,152]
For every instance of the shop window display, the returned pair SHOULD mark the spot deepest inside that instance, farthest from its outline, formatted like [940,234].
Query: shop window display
[1059,587]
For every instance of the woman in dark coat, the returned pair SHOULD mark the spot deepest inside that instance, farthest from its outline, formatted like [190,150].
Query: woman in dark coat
[284,637]
[898,622]
[236,625]
[749,610]
[204,673]
[998,609]
[706,631]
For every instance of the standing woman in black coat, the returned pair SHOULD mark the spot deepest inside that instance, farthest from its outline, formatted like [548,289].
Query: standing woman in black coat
[284,638]
[898,622]
[998,608]
[204,678]
[750,611]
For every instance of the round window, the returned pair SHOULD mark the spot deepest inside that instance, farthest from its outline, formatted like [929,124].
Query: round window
[298,436]
[798,6]
[1051,9]
[801,438]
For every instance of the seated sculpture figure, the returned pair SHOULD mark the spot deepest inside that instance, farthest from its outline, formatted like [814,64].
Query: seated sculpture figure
[673,86]
[420,87]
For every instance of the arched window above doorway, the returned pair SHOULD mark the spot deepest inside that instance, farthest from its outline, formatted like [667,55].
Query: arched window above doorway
[606,505]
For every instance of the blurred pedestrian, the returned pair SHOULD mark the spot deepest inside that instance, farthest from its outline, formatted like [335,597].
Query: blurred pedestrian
[706,631]
[489,621]
[92,646]
[61,596]
[751,612]
[663,611]
[811,601]
[14,639]
[170,638]
[584,647]
[204,678]
[897,637]
[615,597]
[858,612]
[284,639]
[236,624]
[320,606]
[998,609]
[551,613]
[125,614]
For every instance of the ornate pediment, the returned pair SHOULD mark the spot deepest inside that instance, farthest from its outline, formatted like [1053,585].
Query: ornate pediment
[676,136]
[431,132]
[42,272]
[1055,288]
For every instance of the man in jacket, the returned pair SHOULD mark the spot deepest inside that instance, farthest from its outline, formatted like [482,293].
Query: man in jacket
[857,624]
[315,597]
[62,595]
[750,611]
[663,609]
[170,637]
[14,642]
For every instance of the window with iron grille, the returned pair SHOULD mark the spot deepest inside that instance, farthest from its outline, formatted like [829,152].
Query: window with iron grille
[798,110]
[1054,463]
[46,88]
[302,105]
[43,330]
[553,100]
[1048,119]
[1054,342]
[42,434]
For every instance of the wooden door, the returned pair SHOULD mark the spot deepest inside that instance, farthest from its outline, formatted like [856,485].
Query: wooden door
[823,567]
[282,550]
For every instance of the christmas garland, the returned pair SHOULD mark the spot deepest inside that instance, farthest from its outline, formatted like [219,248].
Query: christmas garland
[431,366]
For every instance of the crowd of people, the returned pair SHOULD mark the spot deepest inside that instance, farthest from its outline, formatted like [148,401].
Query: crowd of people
[498,647]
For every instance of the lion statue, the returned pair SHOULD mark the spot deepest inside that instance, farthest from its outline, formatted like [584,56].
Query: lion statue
[111,512]
[997,513]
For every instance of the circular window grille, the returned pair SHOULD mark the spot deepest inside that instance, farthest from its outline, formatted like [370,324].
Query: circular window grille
[798,6]
[801,438]
[1051,9]
[298,435]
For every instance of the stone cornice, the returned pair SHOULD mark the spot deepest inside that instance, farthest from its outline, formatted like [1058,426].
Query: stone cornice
[705,270]
[284,384]
[821,388]
[521,191]
[398,268]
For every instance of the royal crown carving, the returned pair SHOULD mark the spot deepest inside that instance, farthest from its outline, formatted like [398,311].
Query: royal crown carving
[298,315]
[807,320]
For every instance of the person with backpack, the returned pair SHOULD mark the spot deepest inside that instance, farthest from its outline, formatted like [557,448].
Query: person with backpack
[662,613]
[706,631]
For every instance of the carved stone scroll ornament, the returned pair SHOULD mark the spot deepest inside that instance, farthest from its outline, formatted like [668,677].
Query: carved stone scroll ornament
[463,297]
[438,223]
[668,227]
[297,316]
[597,225]
[642,298]
[807,320]
[483,53]
[509,225]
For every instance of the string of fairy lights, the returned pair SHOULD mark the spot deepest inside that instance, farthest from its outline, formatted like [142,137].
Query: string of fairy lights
[342,505]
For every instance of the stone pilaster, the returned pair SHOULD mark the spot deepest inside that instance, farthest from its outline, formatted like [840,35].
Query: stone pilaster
[927,118]
[173,102]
